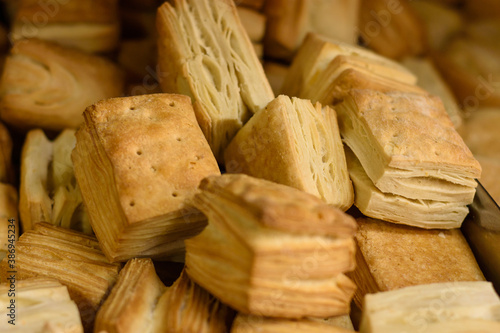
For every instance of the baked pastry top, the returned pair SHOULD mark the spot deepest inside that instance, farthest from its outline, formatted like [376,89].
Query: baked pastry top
[275,206]
[253,324]
[316,65]
[445,254]
[138,161]
[153,140]
[405,135]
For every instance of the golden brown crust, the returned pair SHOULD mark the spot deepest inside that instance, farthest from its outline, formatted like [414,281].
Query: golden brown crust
[274,206]
[136,133]
[398,256]
[319,61]
[355,79]
[411,129]
[46,85]
[138,161]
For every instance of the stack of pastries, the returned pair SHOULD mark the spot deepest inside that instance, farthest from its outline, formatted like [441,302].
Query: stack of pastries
[243,166]
[259,235]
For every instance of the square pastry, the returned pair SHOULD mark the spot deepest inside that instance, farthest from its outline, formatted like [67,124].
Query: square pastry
[138,161]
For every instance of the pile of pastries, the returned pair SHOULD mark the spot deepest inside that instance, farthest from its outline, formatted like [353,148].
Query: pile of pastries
[246,166]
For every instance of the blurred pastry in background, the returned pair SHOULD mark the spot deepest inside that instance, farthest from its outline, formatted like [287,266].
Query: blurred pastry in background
[255,26]
[391,28]
[46,85]
[254,4]
[276,73]
[137,51]
[472,70]
[89,25]
[289,21]
[441,21]
[482,9]
[324,70]
[480,133]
